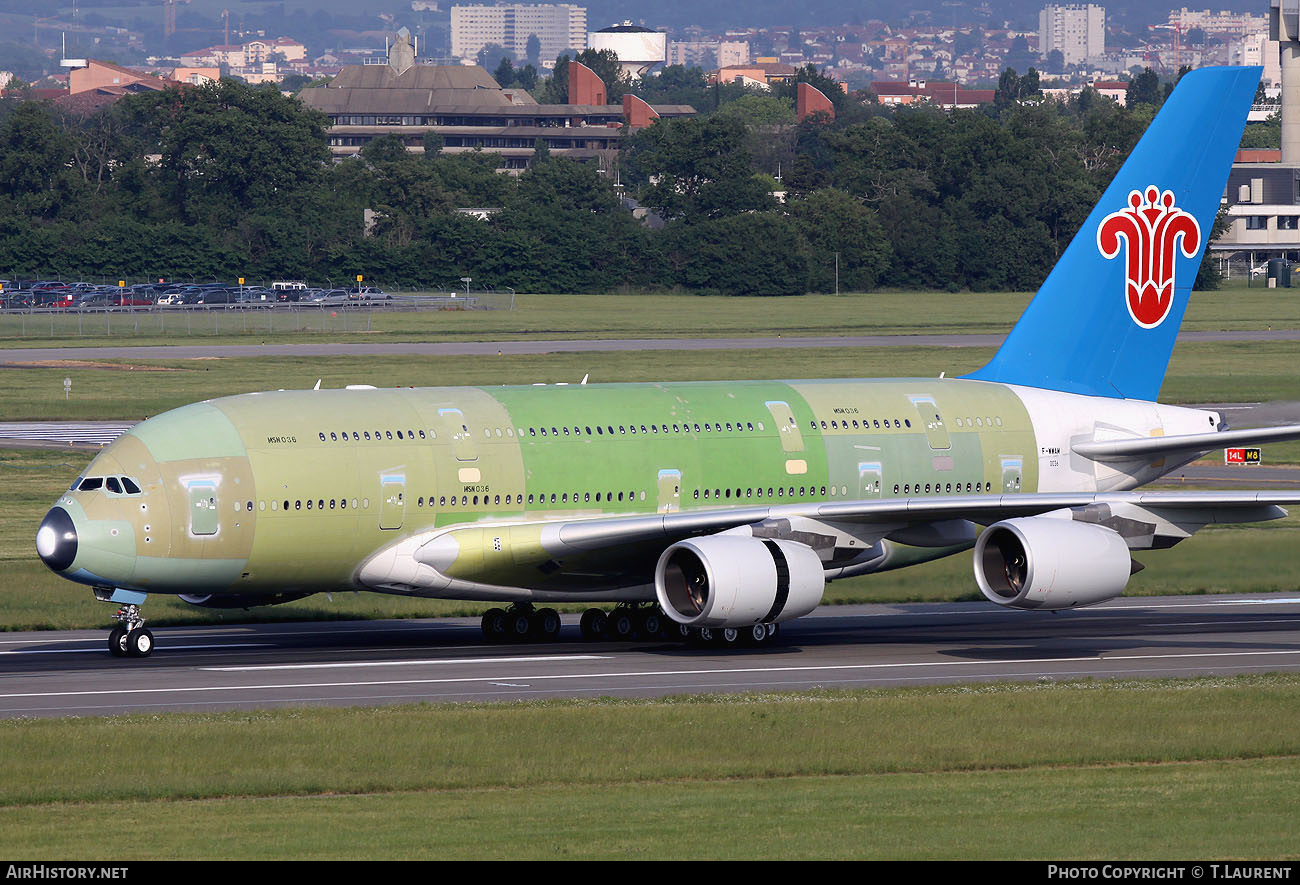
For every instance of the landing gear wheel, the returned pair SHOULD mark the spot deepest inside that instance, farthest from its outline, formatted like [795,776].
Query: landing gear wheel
[546,624]
[756,635]
[705,636]
[621,626]
[139,643]
[650,623]
[727,637]
[117,641]
[494,625]
[593,623]
[519,625]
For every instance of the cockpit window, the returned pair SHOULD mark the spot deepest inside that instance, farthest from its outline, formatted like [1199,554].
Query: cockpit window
[76,483]
[117,485]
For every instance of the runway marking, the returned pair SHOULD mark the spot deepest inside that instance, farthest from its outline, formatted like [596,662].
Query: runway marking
[344,665]
[102,647]
[639,674]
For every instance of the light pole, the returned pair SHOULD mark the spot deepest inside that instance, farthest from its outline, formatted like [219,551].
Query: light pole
[466,281]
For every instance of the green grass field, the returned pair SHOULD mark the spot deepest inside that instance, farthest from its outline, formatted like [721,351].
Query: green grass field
[644,316]
[1201,768]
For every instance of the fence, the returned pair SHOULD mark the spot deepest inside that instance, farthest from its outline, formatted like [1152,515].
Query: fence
[228,319]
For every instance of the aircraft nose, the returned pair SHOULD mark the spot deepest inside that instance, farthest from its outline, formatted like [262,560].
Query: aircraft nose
[56,539]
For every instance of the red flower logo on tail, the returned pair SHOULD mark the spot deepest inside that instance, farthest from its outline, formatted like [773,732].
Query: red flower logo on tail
[1150,227]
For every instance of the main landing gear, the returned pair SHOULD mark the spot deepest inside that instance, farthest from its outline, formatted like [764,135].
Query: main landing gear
[522,622]
[130,638]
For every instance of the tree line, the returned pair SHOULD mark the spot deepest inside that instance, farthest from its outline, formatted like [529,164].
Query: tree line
[230,180]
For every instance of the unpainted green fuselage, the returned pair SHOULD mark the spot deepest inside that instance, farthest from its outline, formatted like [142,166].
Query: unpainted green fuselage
[291,491]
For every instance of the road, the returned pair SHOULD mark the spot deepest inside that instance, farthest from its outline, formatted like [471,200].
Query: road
[387,662]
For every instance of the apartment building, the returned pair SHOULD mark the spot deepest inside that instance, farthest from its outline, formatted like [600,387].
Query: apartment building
[558,27]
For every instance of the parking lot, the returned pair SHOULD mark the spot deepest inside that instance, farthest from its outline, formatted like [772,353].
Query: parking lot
[48,309]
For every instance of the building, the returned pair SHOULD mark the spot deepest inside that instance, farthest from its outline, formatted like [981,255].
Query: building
[559,28]
[1078,31]
[250,57]
[762,73]
[470,111]
[1220,24]
[708,53]
[945,95]
[638,49]
[97,75]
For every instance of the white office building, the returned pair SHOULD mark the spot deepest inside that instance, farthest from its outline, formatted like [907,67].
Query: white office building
[1079,31]
[558,27]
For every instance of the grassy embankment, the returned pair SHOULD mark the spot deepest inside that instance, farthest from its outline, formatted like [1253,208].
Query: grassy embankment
[1206,768]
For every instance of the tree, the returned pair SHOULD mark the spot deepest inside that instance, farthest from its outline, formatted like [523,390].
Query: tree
[757,253]
[229,148]
[604,63]
[696,168]
[1144,89]
[37,165]
[533,51]
[843,233]
[491,55]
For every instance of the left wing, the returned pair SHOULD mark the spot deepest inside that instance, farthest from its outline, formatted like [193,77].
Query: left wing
[1185,446]
[605,553]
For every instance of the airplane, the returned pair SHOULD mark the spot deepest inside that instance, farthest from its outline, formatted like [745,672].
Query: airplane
[712,510]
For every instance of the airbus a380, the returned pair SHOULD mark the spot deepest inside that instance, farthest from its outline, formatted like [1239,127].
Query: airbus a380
[725,506]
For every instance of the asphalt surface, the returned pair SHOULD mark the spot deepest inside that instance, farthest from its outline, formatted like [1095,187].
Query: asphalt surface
[19,356]
[386,662]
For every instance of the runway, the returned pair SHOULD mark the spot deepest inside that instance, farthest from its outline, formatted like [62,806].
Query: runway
[385,662]
[520,346]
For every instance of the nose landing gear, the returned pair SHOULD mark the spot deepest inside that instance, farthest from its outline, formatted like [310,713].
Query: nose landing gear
[130,638]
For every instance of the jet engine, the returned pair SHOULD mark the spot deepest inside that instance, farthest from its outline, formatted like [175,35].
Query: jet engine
[240,600]
[737,581]
[1048,563]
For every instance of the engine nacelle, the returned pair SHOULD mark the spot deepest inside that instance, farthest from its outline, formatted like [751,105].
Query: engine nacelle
[736,581]
[244,600]
[1047,563]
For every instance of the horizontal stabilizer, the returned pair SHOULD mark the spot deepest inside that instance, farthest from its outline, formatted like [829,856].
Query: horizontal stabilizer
[1151,448]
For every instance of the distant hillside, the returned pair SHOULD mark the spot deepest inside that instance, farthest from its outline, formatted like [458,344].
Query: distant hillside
[759,13]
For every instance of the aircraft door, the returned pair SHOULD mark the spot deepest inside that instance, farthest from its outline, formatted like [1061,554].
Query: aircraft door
[670,491]
[204,515]
[392,500]
[456,427]
[870,479]
[783,416]
[936,432]
[1012,471]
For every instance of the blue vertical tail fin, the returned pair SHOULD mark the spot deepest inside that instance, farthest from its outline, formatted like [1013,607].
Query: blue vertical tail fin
[1105,319]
